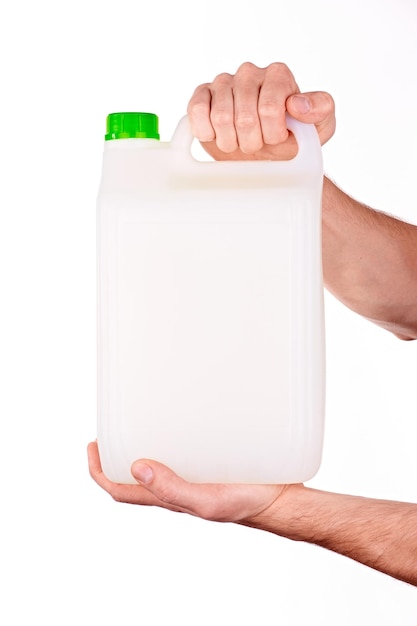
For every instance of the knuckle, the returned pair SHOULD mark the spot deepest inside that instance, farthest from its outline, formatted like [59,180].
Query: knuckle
[222,79]
[245,120]
[247,74]
[197,106]
[247,67]
[201,89]
[221,117]
[280,67]
[269,108]
[280,73]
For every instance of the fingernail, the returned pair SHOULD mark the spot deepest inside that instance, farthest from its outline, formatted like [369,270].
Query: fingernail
[301,104]
[142,472]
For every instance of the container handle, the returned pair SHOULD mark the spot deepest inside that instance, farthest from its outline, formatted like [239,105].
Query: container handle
[309,148]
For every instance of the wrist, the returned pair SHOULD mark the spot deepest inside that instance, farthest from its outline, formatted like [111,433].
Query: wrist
[301,513]
[286,516]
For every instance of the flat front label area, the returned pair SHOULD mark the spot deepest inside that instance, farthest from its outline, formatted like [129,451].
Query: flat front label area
[203,324]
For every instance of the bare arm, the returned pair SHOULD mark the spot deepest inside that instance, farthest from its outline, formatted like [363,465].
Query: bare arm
[370,262]
[380,534]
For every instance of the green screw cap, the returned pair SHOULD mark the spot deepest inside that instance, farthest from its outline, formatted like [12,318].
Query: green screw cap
[131,126]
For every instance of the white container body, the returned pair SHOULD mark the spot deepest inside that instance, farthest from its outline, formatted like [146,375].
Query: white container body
[210,312]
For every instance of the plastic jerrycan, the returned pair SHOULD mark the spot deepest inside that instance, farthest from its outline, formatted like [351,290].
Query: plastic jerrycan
[210,308]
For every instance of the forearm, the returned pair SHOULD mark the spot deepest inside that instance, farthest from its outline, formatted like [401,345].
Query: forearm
[370,262]
[380,534]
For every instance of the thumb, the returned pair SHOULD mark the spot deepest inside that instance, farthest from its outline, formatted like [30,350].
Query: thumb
[171,491]
[315,107]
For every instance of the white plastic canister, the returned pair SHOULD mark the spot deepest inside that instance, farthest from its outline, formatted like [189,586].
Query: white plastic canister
[210,308]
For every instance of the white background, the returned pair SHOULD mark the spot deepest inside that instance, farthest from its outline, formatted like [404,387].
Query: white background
[68,553]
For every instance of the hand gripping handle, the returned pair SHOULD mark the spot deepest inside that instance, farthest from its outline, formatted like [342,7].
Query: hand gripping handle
[309,155]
